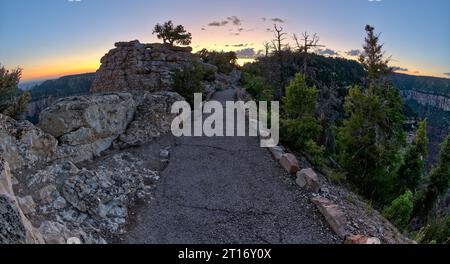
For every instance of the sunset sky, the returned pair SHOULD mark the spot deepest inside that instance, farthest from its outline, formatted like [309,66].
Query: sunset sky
[51,38]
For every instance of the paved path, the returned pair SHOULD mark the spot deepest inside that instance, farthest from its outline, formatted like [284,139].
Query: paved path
[226,190]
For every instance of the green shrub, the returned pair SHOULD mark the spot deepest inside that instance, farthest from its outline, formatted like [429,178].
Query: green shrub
[315,153]
[438,232]
[400,210]
[225,61]
[301,135]
[297,132]
[12,102]
[300,100]
[188,81]
[257,87]
[18,107]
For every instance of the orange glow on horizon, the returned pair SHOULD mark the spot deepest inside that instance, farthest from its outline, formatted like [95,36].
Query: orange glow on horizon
[90,62]
[56,71]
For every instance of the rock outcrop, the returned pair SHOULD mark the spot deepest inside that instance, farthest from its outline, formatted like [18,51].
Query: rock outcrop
[133,66]
[63,200]
[15,228]
[425,99]
[87,125]
[152,118]
[87,203]
[23,145]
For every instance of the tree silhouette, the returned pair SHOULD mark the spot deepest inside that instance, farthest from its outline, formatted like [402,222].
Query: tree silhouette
[172,34]
[308,43]
[267,48]
[278,47]
[372,58]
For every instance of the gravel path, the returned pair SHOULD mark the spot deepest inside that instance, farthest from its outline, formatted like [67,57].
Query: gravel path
[226,190]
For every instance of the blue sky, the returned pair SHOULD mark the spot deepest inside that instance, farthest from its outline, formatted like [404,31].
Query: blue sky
[50,38]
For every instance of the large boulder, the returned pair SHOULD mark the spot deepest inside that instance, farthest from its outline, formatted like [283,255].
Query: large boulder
[23,145]
[152,118]
[15,228]
[87,125]
[133,66]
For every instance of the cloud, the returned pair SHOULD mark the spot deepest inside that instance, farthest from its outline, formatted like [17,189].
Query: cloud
[239,45]
[277,20]
[375,0]
[218,23]
[327,52]
[397,68]
[268,29]
[203,29]
[235,20]
[248,53]
[447,73]
[353,53]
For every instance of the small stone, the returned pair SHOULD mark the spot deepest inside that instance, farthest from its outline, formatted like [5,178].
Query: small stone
[164,154]
[362,240]
[308,178]
[59,203]
[27,204]
[277,152]
[289,163]
[14,180]
[47,194]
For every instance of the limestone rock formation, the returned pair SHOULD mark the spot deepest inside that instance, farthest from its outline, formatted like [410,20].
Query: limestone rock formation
[23,145]
[86,201]
[424,99]
[133,66]
[15,228]
[87,125]
[152,118]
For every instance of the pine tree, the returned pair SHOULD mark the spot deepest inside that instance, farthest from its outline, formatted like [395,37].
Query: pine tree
[412,169]
[369,141]
[10,104]
[437,183]
[300,99]
[172,34]
[372,58]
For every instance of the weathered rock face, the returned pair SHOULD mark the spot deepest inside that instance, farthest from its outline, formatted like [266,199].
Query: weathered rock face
[425,99]
[152,118]
[24,145]
[87,125]
[14,226]
[85,201]
[133,66]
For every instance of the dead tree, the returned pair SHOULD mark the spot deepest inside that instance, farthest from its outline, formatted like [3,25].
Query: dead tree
[267,48]
[277,43]
[308,42]
[279,38]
